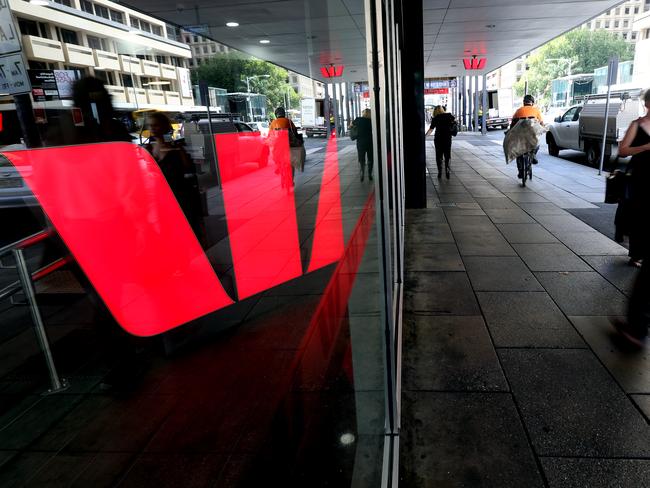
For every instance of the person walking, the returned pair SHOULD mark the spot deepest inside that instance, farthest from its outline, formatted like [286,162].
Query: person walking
[363,127]
[636,143]
[444,124]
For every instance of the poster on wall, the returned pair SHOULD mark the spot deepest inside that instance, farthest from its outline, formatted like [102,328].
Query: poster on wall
[185,82]
[13,75]
[65,79]
[43,85]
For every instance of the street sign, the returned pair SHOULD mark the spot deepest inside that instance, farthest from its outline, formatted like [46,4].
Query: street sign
[436,91]
[434,84]
[13,75]
[9,36]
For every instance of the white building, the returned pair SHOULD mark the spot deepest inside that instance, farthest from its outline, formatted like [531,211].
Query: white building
[137,56]
[305,86]
[641,74]
[620,20]
[202,48]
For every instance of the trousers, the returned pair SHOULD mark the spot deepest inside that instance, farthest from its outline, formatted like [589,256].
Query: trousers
[364,151]
[443,150]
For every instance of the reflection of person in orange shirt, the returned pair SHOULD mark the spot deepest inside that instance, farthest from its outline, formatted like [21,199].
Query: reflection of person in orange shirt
[528,111]
[280,152]
[281,122]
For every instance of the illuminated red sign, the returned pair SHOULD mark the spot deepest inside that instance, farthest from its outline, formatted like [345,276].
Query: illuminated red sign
[436,91]
[332,71]
[114,210]
[474,63]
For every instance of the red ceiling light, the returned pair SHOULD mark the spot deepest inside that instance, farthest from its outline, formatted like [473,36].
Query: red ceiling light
[474,63]
[332,71]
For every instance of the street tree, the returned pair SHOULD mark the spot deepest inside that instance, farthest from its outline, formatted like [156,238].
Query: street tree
[580,51]
[229,71]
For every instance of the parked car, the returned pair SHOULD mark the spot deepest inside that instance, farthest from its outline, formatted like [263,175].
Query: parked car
[261,127]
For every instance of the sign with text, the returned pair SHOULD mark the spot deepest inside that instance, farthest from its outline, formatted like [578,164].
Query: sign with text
[9,36]
[43,85]
[13,75]
[433,84]
[436,91]
[65,80]
[185,82]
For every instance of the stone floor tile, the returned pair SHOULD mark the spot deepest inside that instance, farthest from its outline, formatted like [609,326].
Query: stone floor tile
[643,402]
[571,406]
[509,216]
[502,273]
[583,293]
[630,368]
[526,234]
[496,203]
[525,197]
[433,257]
[439,294]
[596,473]
[537,209]
[563,223]
[616,270]
[457,210]
[483,244]
[550,257]
[429,233]
[590,243]
[450,354]
[464,439]
[426,215]
[462,223]
[527,319]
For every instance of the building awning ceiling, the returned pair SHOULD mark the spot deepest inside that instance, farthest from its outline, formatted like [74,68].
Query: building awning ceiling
[305,35]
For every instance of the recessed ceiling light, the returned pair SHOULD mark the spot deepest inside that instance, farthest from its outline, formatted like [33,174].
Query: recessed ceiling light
[264,41]
[490,26]
[232,24]
[41,3]
[453,65]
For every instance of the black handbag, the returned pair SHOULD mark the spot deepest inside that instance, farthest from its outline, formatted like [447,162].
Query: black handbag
[354,133]
[615,187]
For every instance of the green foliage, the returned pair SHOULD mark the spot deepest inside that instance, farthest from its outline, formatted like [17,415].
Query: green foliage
[587,51]
[230,70]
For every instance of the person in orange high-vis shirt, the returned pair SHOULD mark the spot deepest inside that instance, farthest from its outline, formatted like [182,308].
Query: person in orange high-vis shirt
[528,111]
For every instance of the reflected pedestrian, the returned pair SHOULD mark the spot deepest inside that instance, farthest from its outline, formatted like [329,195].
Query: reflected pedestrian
[363,127]
[636,143]
[444,124]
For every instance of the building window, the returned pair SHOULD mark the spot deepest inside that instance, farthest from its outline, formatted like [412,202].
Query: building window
[627,10]
[607,24]
[127,81]
[626,23]
[618,11]
[87,7]
[636,10]
[634,36]
[105,76]
[214,48]
[117,16]
[196,39]
[616,24]
[101,11]
[205,49]
[625,35]
[156,29]
[160,59]
[198,62]
[97,43]
[67,3]
[588,25]
[68,36]
[145,26]
[135,22]
[598,24]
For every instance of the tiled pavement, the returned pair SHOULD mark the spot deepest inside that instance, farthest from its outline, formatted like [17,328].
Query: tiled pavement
[512,376]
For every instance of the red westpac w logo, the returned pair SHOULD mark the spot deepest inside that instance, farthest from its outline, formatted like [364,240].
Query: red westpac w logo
[114,210]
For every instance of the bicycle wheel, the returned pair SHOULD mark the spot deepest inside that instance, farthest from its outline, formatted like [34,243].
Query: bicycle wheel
[524,172]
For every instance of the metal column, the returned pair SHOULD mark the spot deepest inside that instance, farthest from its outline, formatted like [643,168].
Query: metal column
[470,104]
[484,104]
[326,111]
[476,101]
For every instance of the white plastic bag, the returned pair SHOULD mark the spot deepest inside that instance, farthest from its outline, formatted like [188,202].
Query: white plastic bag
[522,138]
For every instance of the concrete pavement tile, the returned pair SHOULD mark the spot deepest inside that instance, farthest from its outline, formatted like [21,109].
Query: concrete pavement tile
[536,209]
[525,197]
[563,223]
[433,257]
[483,244]
[500,274]
[591,244]
[450,353]
[583,293]
[526,233]
[616,270]
[464,439]
[425,232]
[527,319]
[572,406]
[509,216]
[550,257]
[643,402]
[457,210]
[439,294]
[426,215]
[462,223]
[455,197]
[496,203]
[596,473]
[630,368]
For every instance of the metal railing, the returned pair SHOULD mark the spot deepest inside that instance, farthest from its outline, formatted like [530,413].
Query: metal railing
[25,283]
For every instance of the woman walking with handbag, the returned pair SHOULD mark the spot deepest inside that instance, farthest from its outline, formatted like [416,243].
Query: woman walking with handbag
[445,126]
[361,131]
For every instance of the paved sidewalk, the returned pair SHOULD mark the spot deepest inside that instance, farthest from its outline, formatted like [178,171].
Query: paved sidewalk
[512,376]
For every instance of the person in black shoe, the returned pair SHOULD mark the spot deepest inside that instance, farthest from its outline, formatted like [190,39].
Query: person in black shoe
[363,127]
[444,124]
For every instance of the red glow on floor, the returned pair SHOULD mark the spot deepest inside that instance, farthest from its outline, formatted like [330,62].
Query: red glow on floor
[116,214]
[328,235]
[260,209]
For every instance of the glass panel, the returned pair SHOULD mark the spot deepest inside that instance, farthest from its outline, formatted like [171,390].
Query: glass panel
[212,249]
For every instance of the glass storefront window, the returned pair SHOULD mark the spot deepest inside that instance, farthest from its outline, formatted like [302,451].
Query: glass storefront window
[212,256]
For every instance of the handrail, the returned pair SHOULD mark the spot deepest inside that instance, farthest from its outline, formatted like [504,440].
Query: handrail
[39,274]
[26,242]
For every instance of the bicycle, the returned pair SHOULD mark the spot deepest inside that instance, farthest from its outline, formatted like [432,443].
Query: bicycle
[525,165]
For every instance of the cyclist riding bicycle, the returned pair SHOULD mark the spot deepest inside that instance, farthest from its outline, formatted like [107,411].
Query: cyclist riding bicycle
[528,111]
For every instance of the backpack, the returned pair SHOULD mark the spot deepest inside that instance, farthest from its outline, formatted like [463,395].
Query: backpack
[295,139]
[453,129]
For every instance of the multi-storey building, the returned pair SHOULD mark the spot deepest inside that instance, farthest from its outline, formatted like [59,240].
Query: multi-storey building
[641,73]
[140,58]
[620,20]
[305,86]
[202,48]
